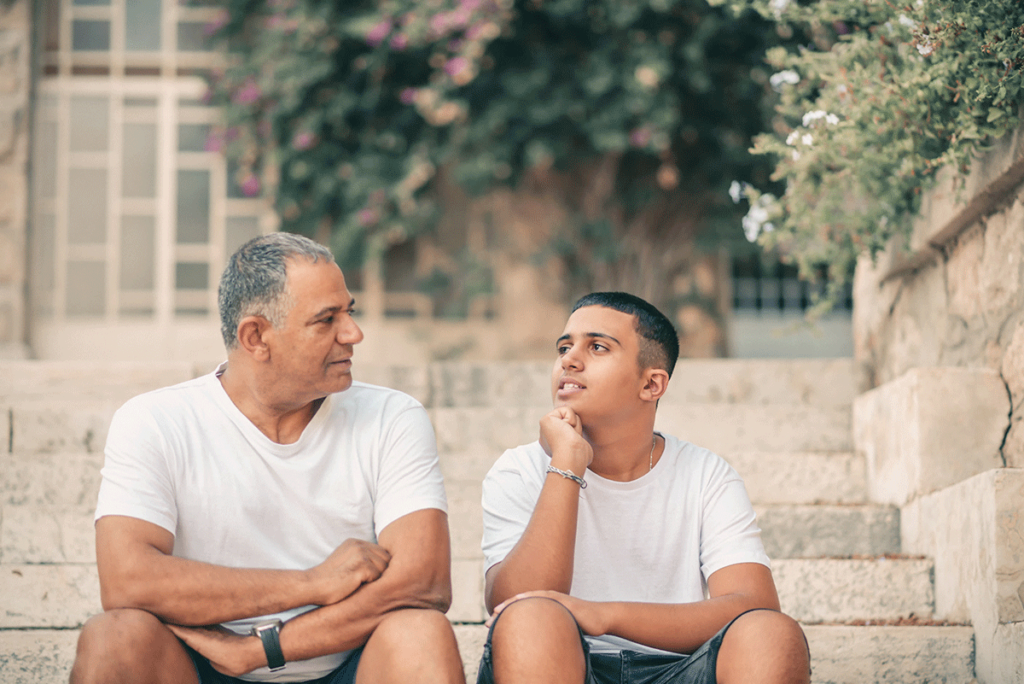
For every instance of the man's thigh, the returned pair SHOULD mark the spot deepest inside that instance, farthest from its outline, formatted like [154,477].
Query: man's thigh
[345,674]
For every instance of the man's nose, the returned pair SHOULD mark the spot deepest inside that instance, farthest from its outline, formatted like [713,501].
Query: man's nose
[350,332]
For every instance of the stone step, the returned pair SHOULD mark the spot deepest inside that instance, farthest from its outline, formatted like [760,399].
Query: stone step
[97,379]
[839,654]
[54,479]
[815,531]
[819,382]
[58,425]
[723,428]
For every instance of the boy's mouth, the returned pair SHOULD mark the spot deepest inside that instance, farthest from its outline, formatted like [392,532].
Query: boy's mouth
[567,386]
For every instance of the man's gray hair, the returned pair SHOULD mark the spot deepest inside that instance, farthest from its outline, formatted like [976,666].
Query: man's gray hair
[255,280]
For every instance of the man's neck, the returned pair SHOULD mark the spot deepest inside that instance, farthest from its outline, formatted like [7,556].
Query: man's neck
[623,451]
[279,421]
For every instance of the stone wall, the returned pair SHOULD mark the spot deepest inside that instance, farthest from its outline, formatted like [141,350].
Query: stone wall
[15,59]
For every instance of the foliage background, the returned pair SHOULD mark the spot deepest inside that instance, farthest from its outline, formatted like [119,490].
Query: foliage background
[637,113]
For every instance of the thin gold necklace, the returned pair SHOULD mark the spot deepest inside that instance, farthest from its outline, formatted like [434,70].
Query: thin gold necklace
[654,443]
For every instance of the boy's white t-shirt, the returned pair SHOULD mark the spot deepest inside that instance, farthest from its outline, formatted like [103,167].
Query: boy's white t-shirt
[186,459]
[655,539]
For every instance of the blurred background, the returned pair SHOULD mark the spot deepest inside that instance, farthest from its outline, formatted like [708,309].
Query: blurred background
[475,166]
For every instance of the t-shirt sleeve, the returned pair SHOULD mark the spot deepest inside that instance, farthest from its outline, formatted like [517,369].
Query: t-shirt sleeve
[136,481]
[729,532]
[509,497]
[409,478]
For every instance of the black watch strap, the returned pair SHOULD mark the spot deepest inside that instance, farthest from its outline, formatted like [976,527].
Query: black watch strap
[270,634]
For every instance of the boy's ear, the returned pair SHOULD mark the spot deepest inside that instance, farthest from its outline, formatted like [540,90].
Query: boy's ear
[655,384]
[252,331]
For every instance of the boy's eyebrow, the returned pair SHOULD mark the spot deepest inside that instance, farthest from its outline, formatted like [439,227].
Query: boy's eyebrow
[590,334]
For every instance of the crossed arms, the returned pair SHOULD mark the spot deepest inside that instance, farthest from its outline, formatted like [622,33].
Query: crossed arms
[355,587]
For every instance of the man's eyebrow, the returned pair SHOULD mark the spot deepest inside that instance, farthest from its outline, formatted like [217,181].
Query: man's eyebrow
[333,309]
[567,336]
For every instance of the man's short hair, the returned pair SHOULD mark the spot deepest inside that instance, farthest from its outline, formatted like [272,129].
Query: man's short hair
[659,342]
[255,280]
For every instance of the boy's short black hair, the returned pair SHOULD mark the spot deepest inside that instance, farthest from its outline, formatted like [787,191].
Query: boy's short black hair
[659,342]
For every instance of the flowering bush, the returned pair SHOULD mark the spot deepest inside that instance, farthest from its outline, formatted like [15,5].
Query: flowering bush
[885,94]
[347,110]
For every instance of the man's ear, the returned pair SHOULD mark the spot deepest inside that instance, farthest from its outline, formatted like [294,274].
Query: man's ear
[252,333]
[655,384]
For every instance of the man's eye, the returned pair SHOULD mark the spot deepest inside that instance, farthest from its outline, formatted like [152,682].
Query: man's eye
[329,319]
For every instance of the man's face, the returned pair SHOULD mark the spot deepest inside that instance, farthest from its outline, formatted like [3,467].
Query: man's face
[597,372]
[311,353]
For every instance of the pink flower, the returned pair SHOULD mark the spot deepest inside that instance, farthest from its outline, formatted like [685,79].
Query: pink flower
[640,137]
[408,96]
[368,217]
[251,185]
[214,142]
[216,25]
[248,93]
[455,65]
[439,23]
[376,35]
[399,42]
[303,140]
[469,5]
[231,134]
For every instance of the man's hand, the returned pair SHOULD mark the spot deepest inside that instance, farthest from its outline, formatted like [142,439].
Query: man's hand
[561,436]
[350,566]
[228,653]
[589,615]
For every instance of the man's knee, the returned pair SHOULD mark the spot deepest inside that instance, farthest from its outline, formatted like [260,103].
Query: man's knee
[124,642]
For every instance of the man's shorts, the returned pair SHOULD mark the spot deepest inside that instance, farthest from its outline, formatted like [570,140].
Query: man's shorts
[632,667]
[345,674]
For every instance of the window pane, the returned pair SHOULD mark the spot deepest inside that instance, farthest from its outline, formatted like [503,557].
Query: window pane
[86,288]
[138,250]
[191,276]
[240,229]
[142,25]
[89,124]
[139,179]
[193,206]
[46,159]
[90,35]
[43,247]
[93,2]
[192,37]
[87,206]
[192,137]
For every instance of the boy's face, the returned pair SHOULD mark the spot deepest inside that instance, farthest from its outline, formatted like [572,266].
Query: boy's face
[597,372]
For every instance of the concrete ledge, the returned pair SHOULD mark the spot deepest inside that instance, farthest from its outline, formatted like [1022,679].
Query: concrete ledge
[840,590]
[64,479]
[52,596]
[97,379]
[725,428]
[975,532]
[815,531]
[36,656]
[801,477]
[47,534]
[929,429]
[48,426]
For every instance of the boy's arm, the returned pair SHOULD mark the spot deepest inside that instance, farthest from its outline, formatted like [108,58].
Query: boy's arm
[543,556]
[676,627]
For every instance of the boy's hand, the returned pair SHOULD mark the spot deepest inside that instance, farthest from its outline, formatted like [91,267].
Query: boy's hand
[561,436]
[588,614]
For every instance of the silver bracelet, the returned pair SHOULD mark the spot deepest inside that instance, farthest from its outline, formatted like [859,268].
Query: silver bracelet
[569,476]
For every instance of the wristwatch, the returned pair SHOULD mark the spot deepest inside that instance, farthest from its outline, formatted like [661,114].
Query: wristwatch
[269,632]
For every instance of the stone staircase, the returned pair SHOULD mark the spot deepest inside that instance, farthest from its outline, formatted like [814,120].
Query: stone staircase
[784,425]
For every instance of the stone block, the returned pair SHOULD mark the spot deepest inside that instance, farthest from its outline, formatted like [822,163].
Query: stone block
[70,480]
[929,429]
[114,381]
[48,596]
[47,534]
[1000,275]
[467,591]
[891,655]
[484,430]
[413,380]
[725,428]
[817,531]
[801,477]
[520,384]
[974,531]
[818,382]
[1008,654]
[468,465]
[40,426]
[36,656]
[963,278]
[840,590]
[465,518]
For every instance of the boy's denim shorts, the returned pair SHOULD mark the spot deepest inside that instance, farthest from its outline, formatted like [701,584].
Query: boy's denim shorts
[345,674]
[632,667]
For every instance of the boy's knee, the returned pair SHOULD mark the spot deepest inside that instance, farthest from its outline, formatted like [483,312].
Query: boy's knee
[535,619]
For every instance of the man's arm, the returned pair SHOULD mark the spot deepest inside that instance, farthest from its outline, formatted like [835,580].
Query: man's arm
[677,627]
[418,576]
[137,570]
[543,556]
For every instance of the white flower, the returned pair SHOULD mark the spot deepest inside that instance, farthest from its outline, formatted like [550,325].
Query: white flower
[756,220]
[795,155]
[807,139]
[925,49]
[811,117]
[788,77]
[793,137]
[831,119]
[841,88]
[907,21]
[779,6]
[736,192]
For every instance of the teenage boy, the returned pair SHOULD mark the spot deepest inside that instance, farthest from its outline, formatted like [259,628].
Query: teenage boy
[618,555]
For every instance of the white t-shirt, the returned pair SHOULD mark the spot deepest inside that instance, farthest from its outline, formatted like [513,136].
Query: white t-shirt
[186,459]
[655,539]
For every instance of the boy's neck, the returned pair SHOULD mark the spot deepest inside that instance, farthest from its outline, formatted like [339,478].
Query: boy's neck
[624,452]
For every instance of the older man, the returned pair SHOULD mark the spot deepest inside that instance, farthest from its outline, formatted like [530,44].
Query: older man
[273,520]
